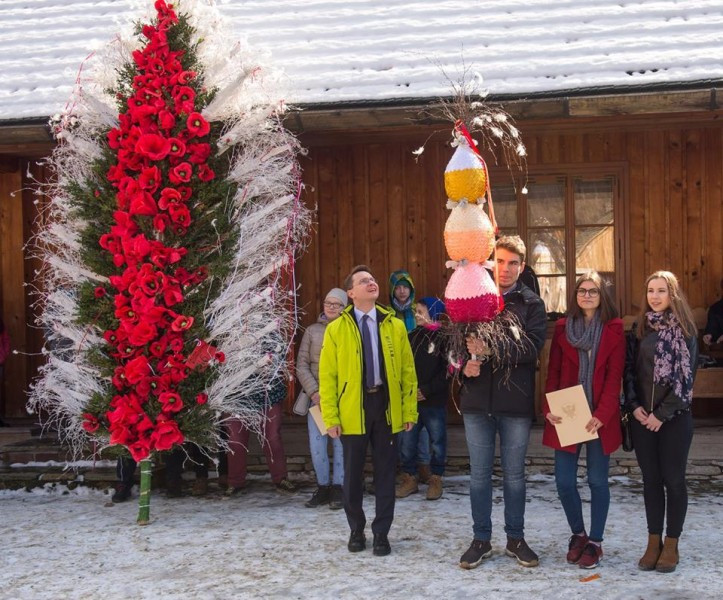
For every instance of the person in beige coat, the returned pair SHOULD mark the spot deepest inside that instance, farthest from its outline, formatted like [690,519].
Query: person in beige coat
[328,490]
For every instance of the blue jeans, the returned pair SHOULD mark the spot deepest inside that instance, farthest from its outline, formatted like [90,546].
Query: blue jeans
[514,432]
[597,479]
[434,420]
[318,444]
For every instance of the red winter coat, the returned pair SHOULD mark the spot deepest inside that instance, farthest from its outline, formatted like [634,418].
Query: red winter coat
[607,377]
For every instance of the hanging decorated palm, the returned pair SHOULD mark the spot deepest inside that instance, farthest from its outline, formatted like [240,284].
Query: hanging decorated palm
[168,242]
[472,298]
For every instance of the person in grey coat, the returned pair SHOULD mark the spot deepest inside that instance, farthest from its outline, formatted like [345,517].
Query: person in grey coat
[328,491]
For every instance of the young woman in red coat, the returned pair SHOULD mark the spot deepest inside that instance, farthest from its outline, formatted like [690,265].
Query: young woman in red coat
[588,348]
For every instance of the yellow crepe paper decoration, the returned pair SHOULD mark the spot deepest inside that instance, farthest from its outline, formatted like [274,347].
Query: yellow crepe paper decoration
[464,177]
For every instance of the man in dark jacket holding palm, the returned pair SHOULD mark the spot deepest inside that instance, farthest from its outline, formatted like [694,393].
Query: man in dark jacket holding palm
[498,397]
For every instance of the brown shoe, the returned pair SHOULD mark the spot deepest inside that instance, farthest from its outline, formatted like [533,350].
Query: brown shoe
[668,557]
[652,553]
[434,491]
[200,487]
[424,473]
[407,485]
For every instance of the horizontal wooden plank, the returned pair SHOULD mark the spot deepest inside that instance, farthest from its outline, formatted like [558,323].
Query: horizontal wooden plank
[641,103]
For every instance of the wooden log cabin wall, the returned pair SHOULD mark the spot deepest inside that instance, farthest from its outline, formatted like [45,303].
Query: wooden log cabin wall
[378,204]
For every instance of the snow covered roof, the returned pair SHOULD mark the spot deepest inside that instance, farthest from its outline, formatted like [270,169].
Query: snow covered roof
[378,50]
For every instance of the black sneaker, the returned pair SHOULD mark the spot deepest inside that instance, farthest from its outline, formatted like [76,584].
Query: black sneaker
[121,494]
[357,541]
[522,552]
[381,545]
[336,499]
[320,497]
[478,550]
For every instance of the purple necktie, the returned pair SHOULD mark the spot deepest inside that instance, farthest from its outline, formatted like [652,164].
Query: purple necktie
[368,352]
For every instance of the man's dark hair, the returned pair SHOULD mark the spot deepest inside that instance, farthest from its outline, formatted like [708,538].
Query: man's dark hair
[349,281]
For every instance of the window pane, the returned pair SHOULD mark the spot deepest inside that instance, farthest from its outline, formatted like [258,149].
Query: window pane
[546,251]
[594,201]
[504,201]
[553,291]
[594,249]
[546,204]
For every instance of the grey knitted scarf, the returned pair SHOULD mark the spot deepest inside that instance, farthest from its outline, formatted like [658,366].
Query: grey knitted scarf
[586,338]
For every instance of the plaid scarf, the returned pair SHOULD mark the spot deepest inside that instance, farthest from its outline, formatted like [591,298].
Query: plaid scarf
[672,366]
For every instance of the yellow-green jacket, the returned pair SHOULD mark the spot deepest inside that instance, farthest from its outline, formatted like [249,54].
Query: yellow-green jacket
[341,370]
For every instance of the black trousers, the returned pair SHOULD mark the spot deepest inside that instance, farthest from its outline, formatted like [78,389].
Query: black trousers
[125,466]
[384,459]
[663,457]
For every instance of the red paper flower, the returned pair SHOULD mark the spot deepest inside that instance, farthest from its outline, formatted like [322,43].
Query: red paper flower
[153,146]
[181,173]
[99,292]
[171,402]
[205,173]
[90,423]
[182,323]
[166,434]
[197,125]
[201,398]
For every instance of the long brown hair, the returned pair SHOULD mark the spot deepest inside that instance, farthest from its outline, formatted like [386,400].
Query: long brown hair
[607,307]
[678,305]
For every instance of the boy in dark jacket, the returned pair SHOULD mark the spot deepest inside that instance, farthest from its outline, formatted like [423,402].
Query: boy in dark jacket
[498,397]
[432,393]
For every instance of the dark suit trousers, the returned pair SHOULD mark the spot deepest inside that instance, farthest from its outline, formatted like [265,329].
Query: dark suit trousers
[384,460]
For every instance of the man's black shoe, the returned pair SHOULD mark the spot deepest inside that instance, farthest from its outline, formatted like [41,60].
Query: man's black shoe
[357,541]
[476,553]
[122,493]
[381,545]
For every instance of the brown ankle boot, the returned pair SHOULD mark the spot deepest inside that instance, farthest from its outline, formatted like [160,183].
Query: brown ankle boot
[668,557]
[652,553]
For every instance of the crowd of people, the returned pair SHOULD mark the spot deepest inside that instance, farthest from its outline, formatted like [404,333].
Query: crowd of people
[380,376]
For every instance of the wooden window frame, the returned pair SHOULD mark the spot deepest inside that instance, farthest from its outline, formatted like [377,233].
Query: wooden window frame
[621,226]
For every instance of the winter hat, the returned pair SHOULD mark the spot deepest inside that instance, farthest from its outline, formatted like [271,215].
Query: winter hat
[434,305]
[338,294]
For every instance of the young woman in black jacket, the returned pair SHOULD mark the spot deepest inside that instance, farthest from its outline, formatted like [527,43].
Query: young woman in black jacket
[659,373]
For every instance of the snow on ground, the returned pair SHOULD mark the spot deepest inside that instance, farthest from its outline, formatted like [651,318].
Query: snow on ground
[59,544]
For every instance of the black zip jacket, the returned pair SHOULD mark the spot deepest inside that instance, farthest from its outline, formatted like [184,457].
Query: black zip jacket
[638,383]
[431,365]
[490,393]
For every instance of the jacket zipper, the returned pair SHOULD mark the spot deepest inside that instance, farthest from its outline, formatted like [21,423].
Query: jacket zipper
[652,394]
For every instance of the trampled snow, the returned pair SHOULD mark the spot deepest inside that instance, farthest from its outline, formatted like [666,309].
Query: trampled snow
[359,50]
[59,544]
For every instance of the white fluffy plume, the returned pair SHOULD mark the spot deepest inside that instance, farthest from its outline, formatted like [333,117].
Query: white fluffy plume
[253,320]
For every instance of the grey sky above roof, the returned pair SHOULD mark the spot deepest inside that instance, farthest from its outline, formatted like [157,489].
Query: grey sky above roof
[378,50]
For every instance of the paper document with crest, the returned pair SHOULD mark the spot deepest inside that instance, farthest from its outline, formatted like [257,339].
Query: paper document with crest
[315,412]
[571,406]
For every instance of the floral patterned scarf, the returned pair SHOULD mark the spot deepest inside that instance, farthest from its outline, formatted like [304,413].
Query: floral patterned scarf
[672,366]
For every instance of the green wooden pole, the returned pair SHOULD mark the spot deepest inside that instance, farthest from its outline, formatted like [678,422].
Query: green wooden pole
[144,501]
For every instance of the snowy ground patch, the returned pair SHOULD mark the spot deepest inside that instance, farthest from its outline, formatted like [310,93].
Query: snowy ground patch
[60,544]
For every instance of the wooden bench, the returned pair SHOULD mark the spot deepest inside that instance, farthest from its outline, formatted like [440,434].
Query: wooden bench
[709,383]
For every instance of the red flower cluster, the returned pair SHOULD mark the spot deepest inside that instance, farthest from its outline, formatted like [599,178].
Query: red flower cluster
[162,149]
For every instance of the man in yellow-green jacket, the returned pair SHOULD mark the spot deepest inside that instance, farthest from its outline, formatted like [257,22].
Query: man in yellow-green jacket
[368,389]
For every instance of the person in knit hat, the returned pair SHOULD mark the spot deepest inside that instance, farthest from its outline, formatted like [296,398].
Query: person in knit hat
[328,491]
[432,393]
[401,297]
